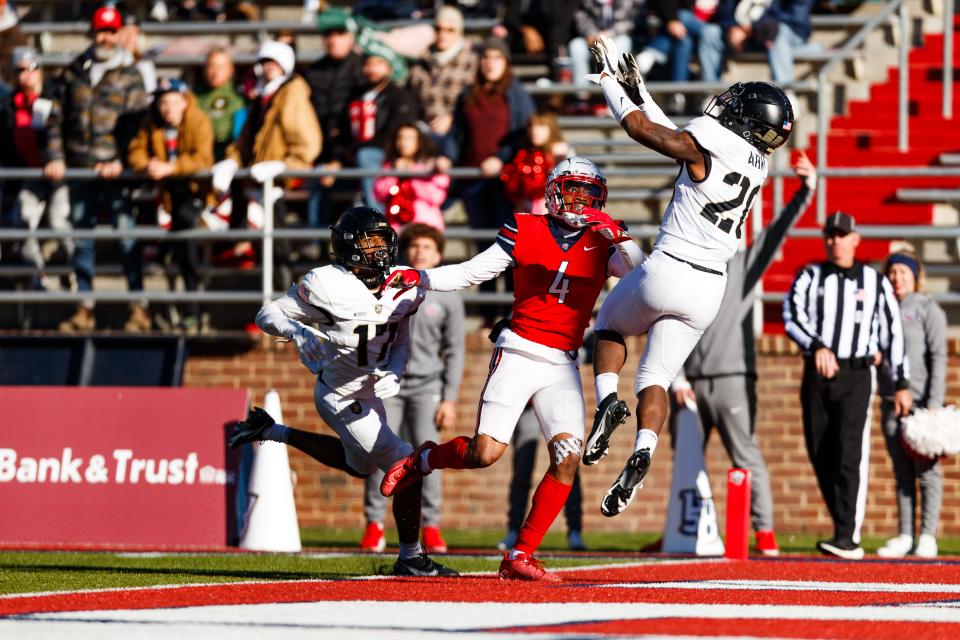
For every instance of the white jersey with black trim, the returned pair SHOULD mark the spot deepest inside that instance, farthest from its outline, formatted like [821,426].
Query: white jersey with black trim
[705,219]
[346,311]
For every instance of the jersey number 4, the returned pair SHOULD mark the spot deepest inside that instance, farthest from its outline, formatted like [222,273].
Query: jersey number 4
[363,333]
[561,285]
[717,211]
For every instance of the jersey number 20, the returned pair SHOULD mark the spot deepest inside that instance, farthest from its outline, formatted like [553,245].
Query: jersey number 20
[713,211]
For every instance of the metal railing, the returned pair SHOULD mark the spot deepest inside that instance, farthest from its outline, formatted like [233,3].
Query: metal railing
[269,234]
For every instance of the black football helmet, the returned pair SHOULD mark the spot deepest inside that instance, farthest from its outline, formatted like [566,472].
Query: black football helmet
[759,112]
[365,243]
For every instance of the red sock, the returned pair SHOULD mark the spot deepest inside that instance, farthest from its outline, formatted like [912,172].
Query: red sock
[547,501]
[450,455]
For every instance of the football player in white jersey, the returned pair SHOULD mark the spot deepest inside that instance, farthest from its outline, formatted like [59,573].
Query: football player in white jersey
[675,294]
[358,353]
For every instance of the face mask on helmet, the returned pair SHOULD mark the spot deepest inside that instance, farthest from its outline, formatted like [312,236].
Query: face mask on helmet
[368,254]
[567,195]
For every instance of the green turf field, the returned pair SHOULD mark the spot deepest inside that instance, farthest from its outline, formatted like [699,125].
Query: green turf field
[32,572]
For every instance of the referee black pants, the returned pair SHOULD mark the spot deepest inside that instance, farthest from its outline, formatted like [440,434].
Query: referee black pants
[836,427]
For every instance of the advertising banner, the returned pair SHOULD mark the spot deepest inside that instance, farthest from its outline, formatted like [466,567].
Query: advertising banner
[117,465]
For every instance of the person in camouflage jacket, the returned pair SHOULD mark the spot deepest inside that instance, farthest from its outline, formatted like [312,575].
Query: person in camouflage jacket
[100,103]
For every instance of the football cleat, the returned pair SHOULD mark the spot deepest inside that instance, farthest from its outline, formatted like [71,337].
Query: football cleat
[611,413]
[433,542]
[404,471]
[422,566]
[373,539]
[251,429]
[628,483]
[525,567]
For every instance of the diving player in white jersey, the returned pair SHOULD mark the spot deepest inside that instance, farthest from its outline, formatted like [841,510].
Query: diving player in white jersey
[675,294]
[358,354]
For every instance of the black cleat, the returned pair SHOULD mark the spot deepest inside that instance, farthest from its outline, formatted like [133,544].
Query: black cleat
[422,566]
[625,488]
[251,429]
[611,413]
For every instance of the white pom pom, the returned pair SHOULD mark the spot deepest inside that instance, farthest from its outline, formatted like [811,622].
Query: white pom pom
[932,433]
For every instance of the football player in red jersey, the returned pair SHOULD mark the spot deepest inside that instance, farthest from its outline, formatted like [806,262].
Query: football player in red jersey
[560,261]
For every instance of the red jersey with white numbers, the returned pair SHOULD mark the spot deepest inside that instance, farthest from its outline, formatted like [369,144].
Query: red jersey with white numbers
[557,277]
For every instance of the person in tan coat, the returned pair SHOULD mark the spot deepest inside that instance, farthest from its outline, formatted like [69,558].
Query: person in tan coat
[281,132]
[176,139]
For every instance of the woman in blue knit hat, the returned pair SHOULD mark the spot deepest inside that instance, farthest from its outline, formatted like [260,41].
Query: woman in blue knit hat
[925,337]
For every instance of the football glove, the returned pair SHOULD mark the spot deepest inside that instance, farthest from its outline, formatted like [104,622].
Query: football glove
[605,54]
[603,224]
[387,385]
[631,79]
[402,279]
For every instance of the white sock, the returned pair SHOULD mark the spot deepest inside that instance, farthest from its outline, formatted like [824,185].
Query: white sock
[277,433]
[411,550]
[514,554]
[606,383]
[646,439]
[425,461]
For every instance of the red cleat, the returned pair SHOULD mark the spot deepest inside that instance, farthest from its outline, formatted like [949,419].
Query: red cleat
[525,567]
[767,543]
[373,539]
[433,542]
[404,471]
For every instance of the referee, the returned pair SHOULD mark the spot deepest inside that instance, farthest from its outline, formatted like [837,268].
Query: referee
[844,316]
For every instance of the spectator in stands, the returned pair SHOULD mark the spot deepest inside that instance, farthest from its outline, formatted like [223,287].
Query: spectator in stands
[526,438]
[538,27]
[281,132]
[333,80]
[176,139]
[448,68]
[781,30]
[720,376]
[101,100]
[221,100]
[412,200]
[925,337]
[130,39]
[373,115]
[23,141]
[683,23]
[11,37]
[615,19]
[525,177]
[489,126]
[427,402]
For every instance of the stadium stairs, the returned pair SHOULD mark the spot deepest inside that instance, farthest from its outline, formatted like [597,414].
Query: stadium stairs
[866,136]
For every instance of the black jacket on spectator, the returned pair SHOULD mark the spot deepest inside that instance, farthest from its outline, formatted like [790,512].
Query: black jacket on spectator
[395,107]
[793,13]
[668,10]
[332,85]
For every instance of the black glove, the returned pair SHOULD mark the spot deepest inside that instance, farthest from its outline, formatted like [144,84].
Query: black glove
[258,419]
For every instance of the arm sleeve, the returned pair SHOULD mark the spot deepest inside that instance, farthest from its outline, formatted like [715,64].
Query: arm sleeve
[764,247]
[799,326]
[138,153]
[199,155]
[935,329]
[400,350]
[891,334]
[54,146]
[303,304]
[480,268]
[453,348]
[655,113]
[625,258]
[301,133]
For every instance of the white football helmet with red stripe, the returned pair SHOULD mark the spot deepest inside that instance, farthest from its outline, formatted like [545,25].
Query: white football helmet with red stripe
[573,184]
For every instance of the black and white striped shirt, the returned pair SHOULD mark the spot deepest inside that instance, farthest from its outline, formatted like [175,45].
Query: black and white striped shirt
[853,312]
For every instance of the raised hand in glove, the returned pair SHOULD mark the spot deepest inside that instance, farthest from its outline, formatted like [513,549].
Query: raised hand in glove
[605,54]
[402,279]
[603,224]
[631,79]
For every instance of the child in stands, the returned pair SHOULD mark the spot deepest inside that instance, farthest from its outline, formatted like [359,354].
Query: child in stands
[409,200]
[525,177]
